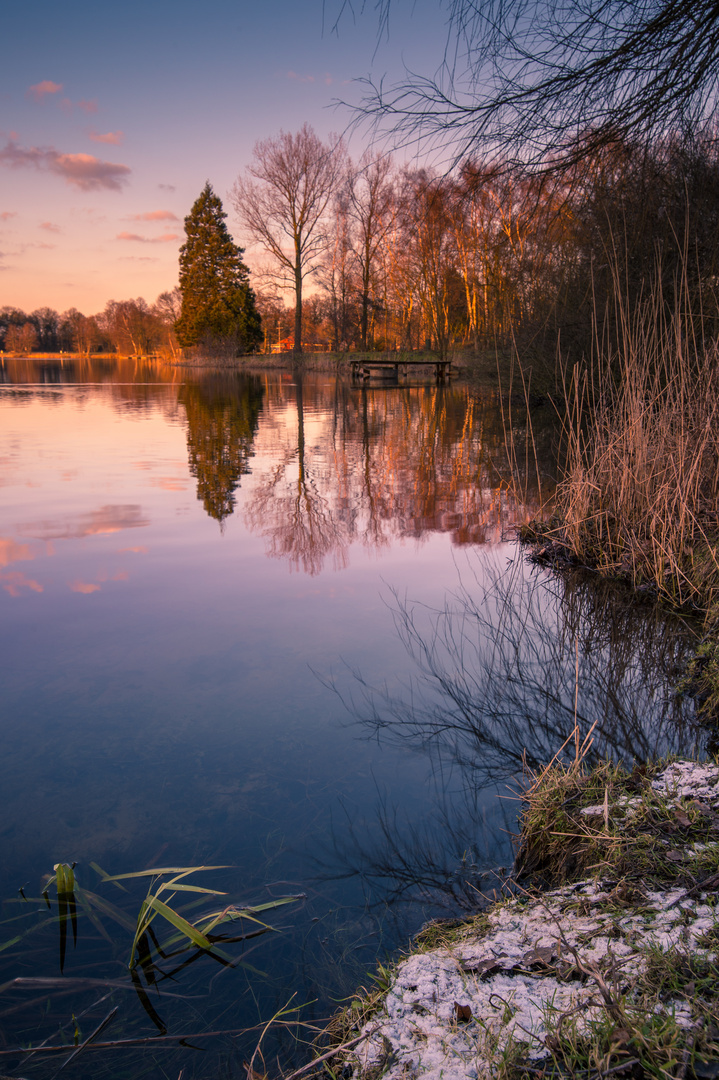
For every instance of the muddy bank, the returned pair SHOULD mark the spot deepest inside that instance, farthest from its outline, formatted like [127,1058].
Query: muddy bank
[603,960]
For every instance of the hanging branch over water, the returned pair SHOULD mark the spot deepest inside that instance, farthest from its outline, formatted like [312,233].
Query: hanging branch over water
[533,79]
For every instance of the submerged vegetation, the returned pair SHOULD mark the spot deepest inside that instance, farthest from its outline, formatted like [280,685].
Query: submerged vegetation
[177,923]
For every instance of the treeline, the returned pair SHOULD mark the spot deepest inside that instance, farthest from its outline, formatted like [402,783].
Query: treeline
[127,327]
[407,258]
[490,255]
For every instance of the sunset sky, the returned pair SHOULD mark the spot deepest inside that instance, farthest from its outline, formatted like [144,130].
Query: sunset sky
[112,118]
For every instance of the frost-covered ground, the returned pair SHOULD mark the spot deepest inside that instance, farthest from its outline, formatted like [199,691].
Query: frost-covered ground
[515,983]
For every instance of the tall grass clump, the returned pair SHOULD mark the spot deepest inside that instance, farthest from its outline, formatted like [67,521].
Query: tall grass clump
[640,486]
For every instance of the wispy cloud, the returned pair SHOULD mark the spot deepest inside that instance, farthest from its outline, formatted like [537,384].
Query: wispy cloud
[81,170]
[134,258]
[7,214]
[50,226]
[13,581]
[327,79]
[108,519]
[154,215]
[113,138]
[166,238]
[167,187]
[11,551]
[84,587]
[39,91]
[67,105]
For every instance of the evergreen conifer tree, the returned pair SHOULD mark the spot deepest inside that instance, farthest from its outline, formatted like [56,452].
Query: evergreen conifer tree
[218,305]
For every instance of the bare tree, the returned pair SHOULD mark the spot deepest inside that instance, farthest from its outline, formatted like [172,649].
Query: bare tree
[283,200]
[369,196]
[538,78]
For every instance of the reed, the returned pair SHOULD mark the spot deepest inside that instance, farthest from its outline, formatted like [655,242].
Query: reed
[640,486]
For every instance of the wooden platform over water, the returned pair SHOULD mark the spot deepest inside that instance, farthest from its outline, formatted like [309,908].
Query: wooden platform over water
[395,369]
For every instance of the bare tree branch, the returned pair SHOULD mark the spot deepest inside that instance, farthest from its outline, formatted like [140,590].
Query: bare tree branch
[533,79]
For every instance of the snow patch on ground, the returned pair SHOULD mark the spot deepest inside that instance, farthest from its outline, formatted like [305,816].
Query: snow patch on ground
[686,779]
[453,1011]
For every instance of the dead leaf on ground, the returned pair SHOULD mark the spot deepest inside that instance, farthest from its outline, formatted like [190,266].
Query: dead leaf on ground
[463,1013]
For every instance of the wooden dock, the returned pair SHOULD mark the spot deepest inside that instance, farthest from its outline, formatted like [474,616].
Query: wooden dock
[396,369]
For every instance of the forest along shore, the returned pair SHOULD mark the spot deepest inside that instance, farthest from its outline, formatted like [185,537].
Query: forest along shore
[602,959]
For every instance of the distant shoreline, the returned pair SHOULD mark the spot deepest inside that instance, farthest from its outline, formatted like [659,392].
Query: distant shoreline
[467,365]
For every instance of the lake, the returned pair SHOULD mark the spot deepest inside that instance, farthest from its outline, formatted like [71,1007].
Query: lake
[275,622]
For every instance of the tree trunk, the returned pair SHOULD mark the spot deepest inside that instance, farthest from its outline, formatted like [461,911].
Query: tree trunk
[298,302]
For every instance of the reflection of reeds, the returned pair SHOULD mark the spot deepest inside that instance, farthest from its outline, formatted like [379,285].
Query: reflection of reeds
[641,482]
[496,671]
[512,662]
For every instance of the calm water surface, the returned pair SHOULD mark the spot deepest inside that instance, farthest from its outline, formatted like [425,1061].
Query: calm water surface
[278,623]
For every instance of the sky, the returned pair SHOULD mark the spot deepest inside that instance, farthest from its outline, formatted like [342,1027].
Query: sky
[112,117]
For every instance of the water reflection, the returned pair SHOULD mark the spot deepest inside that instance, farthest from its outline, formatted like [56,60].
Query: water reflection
[157,676]
[222,415]
[381,465]
[493,692]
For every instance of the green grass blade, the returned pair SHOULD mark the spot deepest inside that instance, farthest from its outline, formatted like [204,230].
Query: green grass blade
[112,912]
[142,924]
[196,937]
[62,911]
[158,870]
[270,904]
[92,915]
[191,888]
[106,877]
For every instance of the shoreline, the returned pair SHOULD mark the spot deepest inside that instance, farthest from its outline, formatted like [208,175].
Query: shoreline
[603,958]
[475,368]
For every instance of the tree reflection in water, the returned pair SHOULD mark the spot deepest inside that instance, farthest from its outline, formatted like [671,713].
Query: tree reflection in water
[384,464]
[222,415]
[493,691]
[294,506]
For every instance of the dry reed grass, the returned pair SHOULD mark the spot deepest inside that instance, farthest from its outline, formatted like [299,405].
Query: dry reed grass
[640,492]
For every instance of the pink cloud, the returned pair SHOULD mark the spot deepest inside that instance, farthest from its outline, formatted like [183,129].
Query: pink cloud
[168,483]
[114,138]
[49,226]
[167,187]
[108,519]
[154,215]
[11,551]
[89,173]
[15,580]
[166,238]
[7,214]
[39,90]
[300,78]
[67,105]
[83,587]
[82,170]
[141,550]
